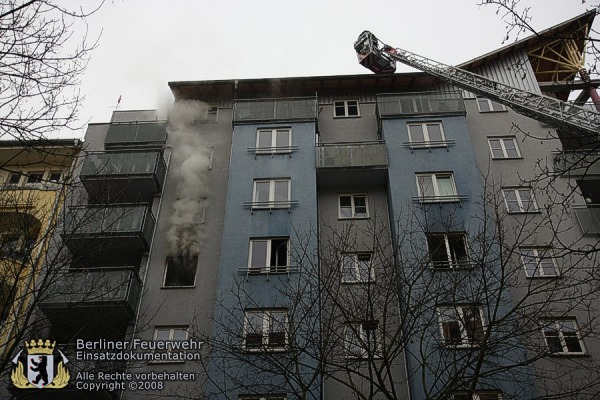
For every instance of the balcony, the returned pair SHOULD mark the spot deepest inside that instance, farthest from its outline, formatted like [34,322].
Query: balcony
[115,291]
[275,110]
[110,234]
[147,134]
[578,163]
[588,218]
[339,163]
[123,176]
[420,104]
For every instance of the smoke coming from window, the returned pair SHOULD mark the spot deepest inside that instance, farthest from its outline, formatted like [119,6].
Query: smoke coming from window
[190,161]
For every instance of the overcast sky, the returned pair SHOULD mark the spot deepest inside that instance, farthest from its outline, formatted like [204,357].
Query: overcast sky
[146,43]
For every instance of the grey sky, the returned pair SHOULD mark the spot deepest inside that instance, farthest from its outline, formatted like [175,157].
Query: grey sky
[147,43]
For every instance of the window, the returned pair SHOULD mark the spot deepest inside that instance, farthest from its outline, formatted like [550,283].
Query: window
[34,177]
[504,147]
[346,108]
[170,334]
[427,134]
[448,250]
[269,256]
[353,206]
[362,339]
[180,271]
[562,337]
[54,176]
[269,141]
[265,329]
[477,395]
[461,325]
[438,187]
[487,105]
[519,200]
[271,193]
[14,179]
[357,267]
[11,245]
[538,262]
[262,397]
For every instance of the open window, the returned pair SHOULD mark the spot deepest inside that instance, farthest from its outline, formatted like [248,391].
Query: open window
[180,271]
[269,255]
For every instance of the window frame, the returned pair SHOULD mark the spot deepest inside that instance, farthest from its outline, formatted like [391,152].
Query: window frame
[519,200]
[561,336]
[266,314]
[271,203]
[362,346]
[346,104]
[538,258]
[426,143]
[268,269]
[169,258]
[168,350]
[505,155]
[273,148]
[37,181]
[451,262]
[490,105]
[459,311]
[436,198]
[354,215]
[476,395]
[357,274]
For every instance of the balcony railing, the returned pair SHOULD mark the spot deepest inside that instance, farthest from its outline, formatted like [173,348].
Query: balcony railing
[146,133]
[589,218]
[108,235]
[98,287]
[126,176]
[285,109]
[577,163]
[425,103]
[352,155]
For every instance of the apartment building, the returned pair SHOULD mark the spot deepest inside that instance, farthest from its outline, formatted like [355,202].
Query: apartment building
[341,237]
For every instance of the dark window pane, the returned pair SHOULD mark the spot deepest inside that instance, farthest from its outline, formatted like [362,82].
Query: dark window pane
[181,271]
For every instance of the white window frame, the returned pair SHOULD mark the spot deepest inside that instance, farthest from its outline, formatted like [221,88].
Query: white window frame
[273,148]
[477,395]
[193,284]
[357,271]
[266,316]
[542,258]
[171,329]
[354,215]
[458,312]
[427,142]
[557,325]
[502,140]
[436,198]
[517,191]
[267,268]
[452,262]
[490,104]
[358,342]
[345,103]
[271,203]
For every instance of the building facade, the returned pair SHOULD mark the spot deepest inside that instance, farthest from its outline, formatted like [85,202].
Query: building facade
[375,237]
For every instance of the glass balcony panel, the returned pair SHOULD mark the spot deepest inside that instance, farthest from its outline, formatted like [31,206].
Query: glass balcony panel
[275,110]
[397,105]
[352,155]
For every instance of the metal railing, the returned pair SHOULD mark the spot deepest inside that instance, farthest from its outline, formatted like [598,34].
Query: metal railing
[420,103]
[284,109]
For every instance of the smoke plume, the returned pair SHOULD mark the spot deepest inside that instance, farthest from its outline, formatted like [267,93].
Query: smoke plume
[190,158]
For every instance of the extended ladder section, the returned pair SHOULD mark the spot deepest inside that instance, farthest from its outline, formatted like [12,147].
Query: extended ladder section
[380,58]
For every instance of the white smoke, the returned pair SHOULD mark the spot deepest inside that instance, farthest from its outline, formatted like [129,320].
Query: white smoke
[190,158]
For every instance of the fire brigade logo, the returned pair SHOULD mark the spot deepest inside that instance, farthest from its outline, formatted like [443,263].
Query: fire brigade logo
[41,371]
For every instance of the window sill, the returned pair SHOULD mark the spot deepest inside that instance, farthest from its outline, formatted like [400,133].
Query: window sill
[458,198]
[507,158]
[357,282]
[177,287]
[562,355]
[492,111]
[524,212]
[345,116]
[352,218]
[549,277]
[265,349]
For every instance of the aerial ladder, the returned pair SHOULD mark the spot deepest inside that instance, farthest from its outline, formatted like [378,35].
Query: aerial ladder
[570,119]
